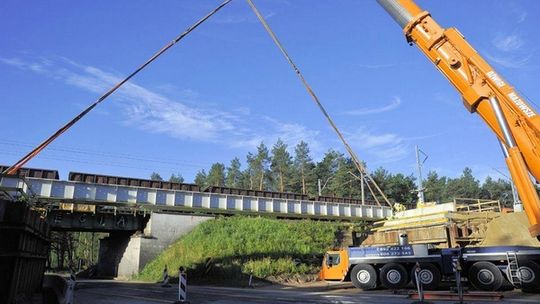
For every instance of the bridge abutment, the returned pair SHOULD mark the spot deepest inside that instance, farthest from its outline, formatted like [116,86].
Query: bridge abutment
[123,255]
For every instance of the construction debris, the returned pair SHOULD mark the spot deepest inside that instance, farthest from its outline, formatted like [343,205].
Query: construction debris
[460,223]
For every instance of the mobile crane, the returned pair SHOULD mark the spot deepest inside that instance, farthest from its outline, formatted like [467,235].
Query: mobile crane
[515,123]
[517,127]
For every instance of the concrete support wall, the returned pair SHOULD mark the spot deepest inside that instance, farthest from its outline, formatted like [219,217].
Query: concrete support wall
[111,251]
[123,255]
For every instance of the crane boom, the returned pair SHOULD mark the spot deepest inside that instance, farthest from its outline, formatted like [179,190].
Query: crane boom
[515,123]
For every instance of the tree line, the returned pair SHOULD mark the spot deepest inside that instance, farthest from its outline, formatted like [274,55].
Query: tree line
[276,169]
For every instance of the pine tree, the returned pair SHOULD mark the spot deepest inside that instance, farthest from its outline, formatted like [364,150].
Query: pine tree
[466,186]
[250,172]
[280,167]
[155,176]
[304,181]
[246,180]
[344,184]
[258,168]
[263,160]
[176,178]
[497,190]
[326,169]
[383,179]
[233,178]
[216,175]
[435,188]
[200,178]
[401,189]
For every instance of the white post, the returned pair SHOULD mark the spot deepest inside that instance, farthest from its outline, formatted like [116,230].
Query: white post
[182,286]
[70,289]
[419,285]
[419,164]
[166,278]
[362,188]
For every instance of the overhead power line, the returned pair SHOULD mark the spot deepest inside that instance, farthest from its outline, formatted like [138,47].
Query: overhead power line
[123,156]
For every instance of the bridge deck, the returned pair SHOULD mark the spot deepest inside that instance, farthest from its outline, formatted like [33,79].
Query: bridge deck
[192,200]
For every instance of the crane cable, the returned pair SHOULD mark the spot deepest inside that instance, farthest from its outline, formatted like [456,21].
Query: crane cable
[14,168]
[361,168]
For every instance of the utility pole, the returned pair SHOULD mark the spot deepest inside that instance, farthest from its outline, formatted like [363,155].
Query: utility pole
[362,187]
[419,164]
[517,206]
[321,188]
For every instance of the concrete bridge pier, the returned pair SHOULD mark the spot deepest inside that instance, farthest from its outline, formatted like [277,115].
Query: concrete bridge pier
[124,254]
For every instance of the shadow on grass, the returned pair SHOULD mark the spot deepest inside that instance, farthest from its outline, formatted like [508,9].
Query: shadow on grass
[231,271]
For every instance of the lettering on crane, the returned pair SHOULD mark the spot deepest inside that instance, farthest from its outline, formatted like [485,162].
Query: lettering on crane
[495,78]
[521,105]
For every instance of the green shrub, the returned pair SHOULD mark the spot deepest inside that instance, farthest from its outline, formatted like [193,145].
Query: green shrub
[235,246]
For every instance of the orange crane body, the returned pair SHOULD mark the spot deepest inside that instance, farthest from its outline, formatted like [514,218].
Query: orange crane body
[514,121]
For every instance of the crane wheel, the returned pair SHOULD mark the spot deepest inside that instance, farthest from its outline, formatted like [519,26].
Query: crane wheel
[394,276]
[429,275]
[364,276]
[530,276]
[485,276]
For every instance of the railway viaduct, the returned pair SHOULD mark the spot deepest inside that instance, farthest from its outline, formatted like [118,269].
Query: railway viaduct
[144,217]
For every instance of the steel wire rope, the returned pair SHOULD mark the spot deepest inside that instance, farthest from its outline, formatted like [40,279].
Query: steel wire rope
[361,168]
[13,169]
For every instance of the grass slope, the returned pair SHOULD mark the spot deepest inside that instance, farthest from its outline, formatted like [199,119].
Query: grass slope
[226,250]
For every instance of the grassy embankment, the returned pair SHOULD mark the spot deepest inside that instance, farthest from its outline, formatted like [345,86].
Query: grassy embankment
[227,250]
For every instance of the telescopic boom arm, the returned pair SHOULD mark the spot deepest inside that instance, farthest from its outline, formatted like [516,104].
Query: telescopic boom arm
[485,92]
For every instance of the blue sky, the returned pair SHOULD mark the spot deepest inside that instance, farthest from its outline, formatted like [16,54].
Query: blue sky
[225,88]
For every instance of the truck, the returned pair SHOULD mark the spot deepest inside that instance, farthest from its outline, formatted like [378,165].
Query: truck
[516,125]
[486,268]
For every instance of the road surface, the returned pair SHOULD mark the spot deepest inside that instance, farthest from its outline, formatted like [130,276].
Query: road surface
[98,291]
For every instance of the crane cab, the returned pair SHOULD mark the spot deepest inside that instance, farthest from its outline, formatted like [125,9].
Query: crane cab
[335,265]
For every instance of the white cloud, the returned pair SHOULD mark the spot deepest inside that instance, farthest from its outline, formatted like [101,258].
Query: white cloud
[394,104]
[14,62]
[522,16]
[512,62]
[293,133]
[384,147]
[508,43]
[518,13]
[511,52]
[273,129]
[153,112]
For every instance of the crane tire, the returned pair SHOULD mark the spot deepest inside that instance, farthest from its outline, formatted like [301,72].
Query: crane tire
[364,276]
[530,276]
[394,276]
[429,275]
[485,276]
